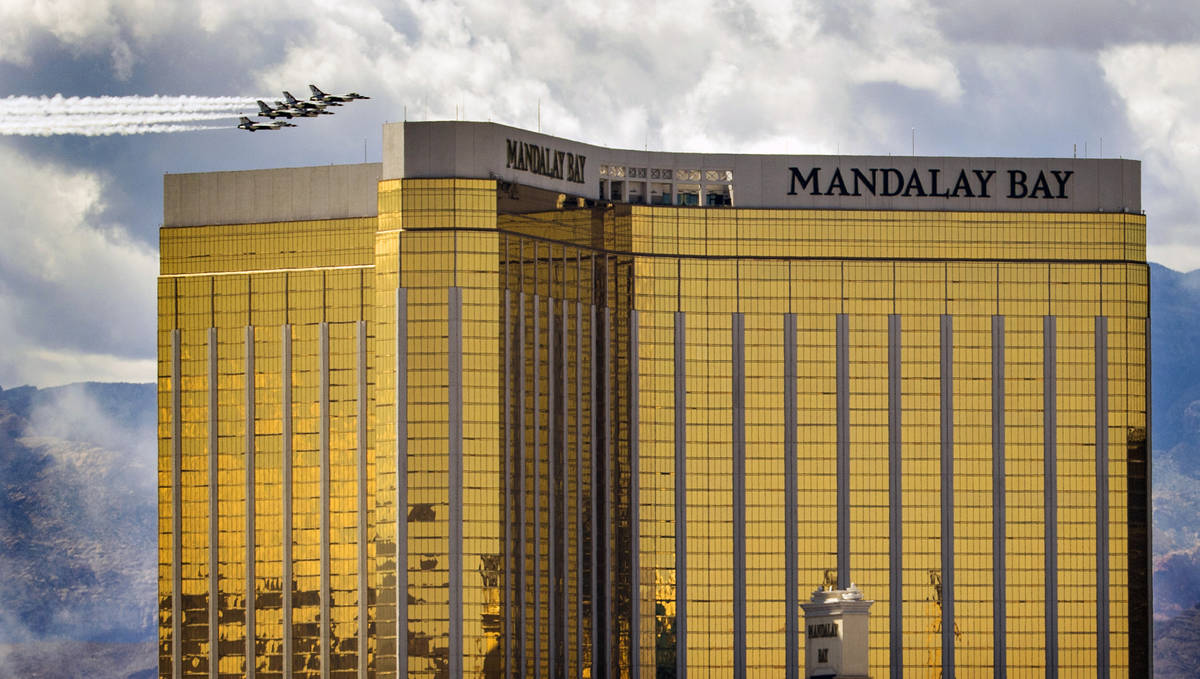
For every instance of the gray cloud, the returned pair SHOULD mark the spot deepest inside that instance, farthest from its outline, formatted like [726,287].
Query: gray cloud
[1081,24]
[728,75]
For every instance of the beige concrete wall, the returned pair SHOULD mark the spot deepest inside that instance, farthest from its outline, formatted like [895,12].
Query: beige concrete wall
[287,194]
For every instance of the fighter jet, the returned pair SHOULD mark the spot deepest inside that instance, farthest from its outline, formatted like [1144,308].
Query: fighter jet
[279,111]
[302,106]
[333,99]
[251,126]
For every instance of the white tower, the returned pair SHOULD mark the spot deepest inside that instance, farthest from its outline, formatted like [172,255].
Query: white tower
[836,634]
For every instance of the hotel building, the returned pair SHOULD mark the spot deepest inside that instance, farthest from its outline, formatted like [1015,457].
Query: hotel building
[509,405]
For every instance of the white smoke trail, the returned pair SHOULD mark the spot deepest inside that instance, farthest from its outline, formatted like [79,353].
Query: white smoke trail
[59,104]
[98,116]
[91,131]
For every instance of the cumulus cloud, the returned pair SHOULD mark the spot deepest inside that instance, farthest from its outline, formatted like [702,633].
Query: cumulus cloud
[76,296]
[1163,105]
[775,76]
[1068,24]
[677,75]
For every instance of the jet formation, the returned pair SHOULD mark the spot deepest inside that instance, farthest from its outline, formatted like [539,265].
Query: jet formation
[291,107]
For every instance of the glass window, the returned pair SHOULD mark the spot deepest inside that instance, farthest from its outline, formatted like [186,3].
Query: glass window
[718,194]
[603,189]
[687,194]
[637,192]
[660,193]
[617,191]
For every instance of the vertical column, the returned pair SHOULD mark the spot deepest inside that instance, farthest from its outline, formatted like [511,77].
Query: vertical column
[323,352]
[564,475]
[1050,474]
[363,621]
[999,497]
[843,451]
[790,490]
[895,506]
[523,634]
[213,509]
[738,393]
[947,491]
[607,588]
[506,472]
[680,496]
[551,469]
[1102,565]
[635,588]
[401,482]
[597,533]
[286,495]
[176,508]
[579,494]
[250,509]
[536,449]
[455,429]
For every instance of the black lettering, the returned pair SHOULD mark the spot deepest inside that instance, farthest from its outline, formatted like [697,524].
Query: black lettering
[823,630]
[1062,181]
[914,181]
[984,178]
[887,172]
[838,182]
[581,160]
[933,176]
[1013,183]
[805,181]
[558,164]
[511,147]
[1040,185]
[860,177]
[963,185]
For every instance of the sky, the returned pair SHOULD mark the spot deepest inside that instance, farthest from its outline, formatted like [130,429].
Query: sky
[79,216]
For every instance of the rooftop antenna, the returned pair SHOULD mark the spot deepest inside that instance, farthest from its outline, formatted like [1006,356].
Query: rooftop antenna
[364,150]
[1085,148]
[914,141]
[1074,150]
[406,113]
[1101,154]
[539,114]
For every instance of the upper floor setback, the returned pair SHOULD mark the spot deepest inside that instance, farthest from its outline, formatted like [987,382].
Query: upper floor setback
[516,157]
[512,155]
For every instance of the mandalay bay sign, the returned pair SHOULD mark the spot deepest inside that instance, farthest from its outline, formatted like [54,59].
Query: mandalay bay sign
[931,183]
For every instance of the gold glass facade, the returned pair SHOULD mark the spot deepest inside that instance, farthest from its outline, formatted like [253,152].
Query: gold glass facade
[467,437]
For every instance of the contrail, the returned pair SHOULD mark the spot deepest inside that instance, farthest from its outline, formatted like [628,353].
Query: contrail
[97,116]
[101,131]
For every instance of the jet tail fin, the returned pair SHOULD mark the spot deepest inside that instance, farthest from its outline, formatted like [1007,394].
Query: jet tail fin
[316,91]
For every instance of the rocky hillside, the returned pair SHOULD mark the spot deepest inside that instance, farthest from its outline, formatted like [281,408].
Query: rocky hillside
[1175,316]
[77,530]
